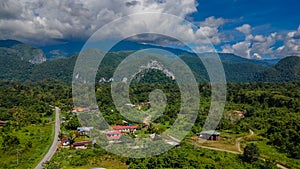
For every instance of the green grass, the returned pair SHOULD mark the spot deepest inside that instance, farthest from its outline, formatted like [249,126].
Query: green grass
[270,152]
[88,158]
[41,138]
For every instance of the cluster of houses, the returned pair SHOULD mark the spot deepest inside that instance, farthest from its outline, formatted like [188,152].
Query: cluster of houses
[115,134]
[78,145]
[82,131]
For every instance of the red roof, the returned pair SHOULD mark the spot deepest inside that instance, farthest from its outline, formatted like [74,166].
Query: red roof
[113,132]
[113,135]
[83,143]
[64,139]
[241,114]
[124,127]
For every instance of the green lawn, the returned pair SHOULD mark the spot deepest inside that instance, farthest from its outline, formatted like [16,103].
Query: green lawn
[41,138]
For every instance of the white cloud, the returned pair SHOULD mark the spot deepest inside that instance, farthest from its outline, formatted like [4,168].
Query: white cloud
[240,49]
[261,46]
[259,38]
[209,31]
[204,49]
[213,22]
[75,19]
[246,29]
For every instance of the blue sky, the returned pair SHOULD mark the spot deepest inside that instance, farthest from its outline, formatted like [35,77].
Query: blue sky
[252,29]
[275,12]
[264,16]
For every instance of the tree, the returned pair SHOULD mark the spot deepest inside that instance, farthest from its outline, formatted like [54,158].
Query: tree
[9,141]
[251,153]
[270,164]
[73,123]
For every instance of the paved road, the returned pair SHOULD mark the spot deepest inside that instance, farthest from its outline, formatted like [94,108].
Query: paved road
[55,143]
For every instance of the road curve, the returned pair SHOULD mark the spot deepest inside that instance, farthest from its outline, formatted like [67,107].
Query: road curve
[55,143]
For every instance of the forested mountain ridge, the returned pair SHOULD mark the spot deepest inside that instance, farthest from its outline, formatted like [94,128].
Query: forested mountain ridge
[288,69]
[24,52]
[237,69]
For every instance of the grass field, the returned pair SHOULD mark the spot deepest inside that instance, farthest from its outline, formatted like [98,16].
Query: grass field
[24,156]
[270,152]
[267,151]
[88,158]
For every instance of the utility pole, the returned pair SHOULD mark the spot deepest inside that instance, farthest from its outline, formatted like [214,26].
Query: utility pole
[17,155]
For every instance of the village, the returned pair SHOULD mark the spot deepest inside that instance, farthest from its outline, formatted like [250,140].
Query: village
[80,137]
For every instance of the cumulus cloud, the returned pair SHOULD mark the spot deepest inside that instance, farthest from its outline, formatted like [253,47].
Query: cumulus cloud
[246,29]
[291,46]
[209,31]
[40,20]
[240,49]
[213,22]
[261,46]
[46,22]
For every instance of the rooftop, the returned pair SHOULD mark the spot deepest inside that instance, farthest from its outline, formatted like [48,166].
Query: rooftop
[83,143]
[210,132]
[124,127]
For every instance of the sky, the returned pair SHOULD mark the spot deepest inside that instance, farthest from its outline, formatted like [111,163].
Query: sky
[255,29]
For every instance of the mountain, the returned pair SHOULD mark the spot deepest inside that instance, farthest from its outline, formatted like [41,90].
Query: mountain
[21,51]
[69,49]
[286,70]
[17,58]
[63,50]
[62,69]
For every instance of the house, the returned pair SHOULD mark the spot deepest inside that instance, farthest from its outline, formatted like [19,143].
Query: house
[113,135]
[65,141]
[80,109]
[2,123]
[125,129]
[209,135]
[84,130]
[173,143]
[81,145]
[239,113]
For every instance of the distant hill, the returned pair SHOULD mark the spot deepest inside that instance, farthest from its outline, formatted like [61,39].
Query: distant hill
[21,51]
[63,50]
[286,70]
[15,58]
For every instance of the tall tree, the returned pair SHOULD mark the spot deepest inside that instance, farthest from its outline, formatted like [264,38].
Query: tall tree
[251,153]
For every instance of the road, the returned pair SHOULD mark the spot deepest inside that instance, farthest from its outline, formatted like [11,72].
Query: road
[238,144]
[55,143]
[217,149]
